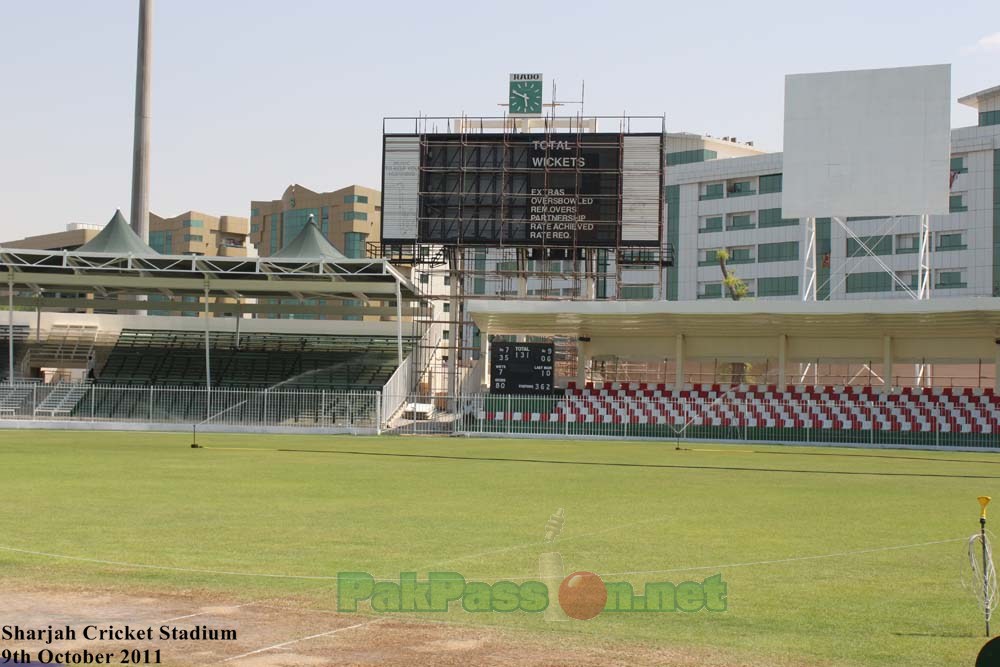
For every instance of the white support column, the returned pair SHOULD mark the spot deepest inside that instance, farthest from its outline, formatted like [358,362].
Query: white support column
[208,358]
[582,359]
[399,324]
[678,361]
[886,364]
[239,316]
[996,369]
[522,281]
[782,355]
[454,322]
[809,262]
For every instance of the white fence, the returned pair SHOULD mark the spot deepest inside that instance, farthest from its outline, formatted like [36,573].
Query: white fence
[172,407]
[973,424]
[872,423]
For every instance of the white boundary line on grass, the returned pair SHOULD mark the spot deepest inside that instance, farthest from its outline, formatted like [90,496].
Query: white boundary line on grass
[793,559]
[303,639]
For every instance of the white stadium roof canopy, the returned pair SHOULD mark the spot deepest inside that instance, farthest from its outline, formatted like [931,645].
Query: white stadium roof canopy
[950,329]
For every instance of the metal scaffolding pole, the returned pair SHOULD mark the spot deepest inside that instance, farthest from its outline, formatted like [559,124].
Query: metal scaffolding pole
[208,360]
[924,265]
[809,262]
[10,327]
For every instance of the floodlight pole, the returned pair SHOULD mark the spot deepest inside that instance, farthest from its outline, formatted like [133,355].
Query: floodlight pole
[809,262]
[140,138]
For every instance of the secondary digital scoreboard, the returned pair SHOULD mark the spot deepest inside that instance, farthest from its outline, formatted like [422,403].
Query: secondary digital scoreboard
[522,368]
[526,189]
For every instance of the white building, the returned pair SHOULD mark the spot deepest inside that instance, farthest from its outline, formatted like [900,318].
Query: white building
[735,204]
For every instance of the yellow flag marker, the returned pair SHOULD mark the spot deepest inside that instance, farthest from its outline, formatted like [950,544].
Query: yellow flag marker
[983,502]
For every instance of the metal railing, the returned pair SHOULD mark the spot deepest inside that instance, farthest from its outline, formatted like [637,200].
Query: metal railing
[971,422]
[173,407]
[873,423]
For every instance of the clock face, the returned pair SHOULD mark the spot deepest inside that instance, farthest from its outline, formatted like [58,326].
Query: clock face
[526,97]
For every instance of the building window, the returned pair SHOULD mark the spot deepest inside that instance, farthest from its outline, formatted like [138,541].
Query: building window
[193,238]
[951,241]
[742,255]
[956,203]
[254,227]
[710,291]
[778,252]
[958,165]
[989,118]
[447,307]
[712,191]
[910,278]
[324,225]
[708,257]
[354,244]
[355,215]
[873,281]
[740,221]
[688,157]
[907,243]
[295,221]
[194,223]
[355,199]
[254,212]
[771,217]
[275,238]
[479,265]
[712,224]
[161,242]
[424,278]
[770,183]
[741,189]
[636,292]
[949,280]
[783,286]
[880,245]
[446,334]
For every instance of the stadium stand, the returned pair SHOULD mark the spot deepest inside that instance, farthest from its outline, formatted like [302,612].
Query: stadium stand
[662,409]
[20,338]
[177,358]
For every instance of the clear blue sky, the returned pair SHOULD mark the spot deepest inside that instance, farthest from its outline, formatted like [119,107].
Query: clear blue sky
[249,96]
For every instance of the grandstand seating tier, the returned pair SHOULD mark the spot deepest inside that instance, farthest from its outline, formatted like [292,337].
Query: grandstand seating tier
[177,358]
[920,409]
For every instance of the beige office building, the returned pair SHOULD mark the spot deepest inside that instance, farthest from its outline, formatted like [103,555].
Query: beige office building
[190,233]
[349,218]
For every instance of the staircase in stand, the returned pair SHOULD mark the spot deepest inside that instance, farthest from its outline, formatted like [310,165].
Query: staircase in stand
[62,399]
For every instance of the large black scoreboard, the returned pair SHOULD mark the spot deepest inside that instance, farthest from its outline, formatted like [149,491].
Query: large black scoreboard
[527,190]
[522,368]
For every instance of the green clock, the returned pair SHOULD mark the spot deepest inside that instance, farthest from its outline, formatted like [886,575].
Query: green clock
[525,97]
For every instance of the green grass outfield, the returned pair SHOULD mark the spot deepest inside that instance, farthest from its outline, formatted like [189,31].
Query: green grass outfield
[479,507]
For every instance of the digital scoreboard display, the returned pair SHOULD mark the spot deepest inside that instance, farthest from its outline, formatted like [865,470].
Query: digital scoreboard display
[522,368]
[527,190]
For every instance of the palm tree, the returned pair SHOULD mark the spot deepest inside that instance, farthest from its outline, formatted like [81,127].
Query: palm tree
[737,289]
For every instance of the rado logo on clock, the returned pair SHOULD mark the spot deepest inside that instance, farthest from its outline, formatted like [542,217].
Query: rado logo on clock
[525,96]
